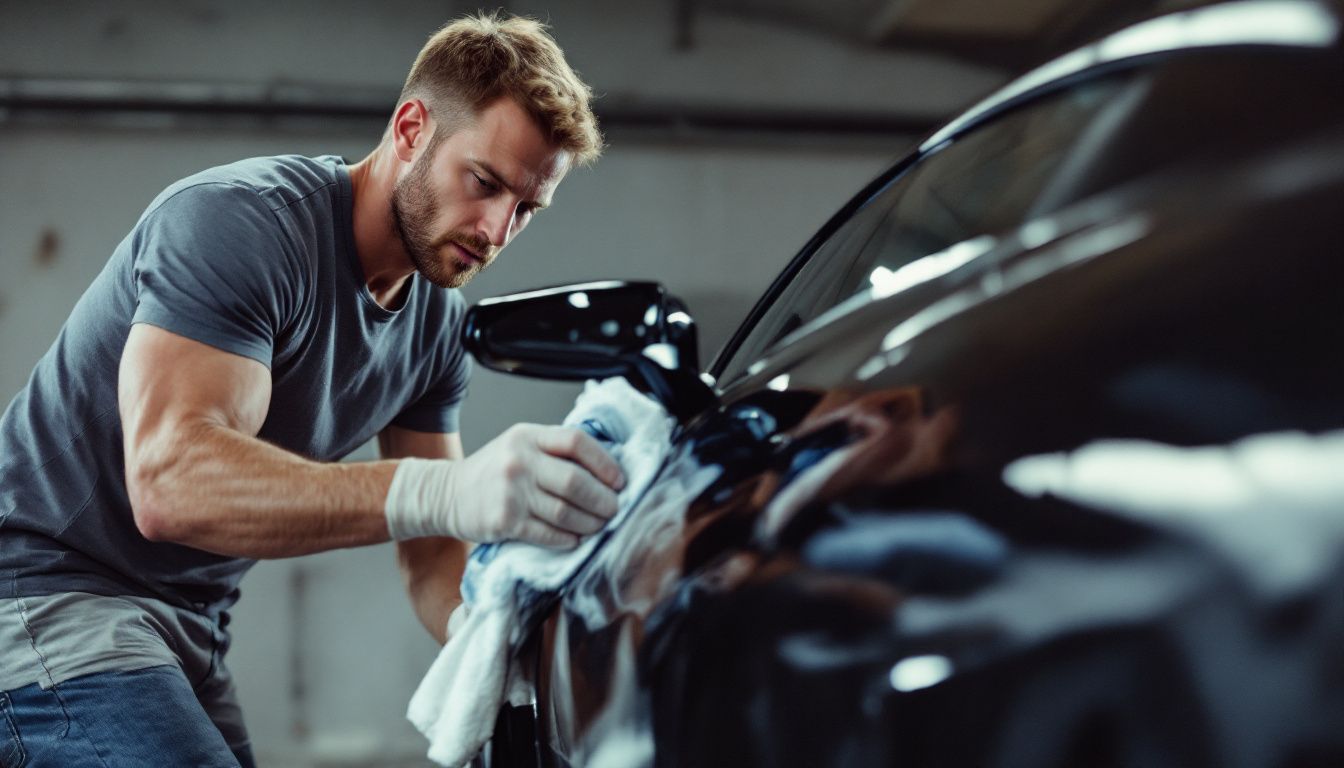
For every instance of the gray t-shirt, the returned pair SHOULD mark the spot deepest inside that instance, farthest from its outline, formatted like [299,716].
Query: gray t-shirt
[256,258]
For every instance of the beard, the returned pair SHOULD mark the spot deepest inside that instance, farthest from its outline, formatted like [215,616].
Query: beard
[414,209]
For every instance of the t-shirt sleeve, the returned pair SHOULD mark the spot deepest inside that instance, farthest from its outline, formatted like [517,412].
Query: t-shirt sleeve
[437,409]
[211,263]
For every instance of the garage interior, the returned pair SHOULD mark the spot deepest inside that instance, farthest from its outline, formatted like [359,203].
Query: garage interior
[734,129]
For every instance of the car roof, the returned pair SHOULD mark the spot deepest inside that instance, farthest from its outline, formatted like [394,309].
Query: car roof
[1281,24]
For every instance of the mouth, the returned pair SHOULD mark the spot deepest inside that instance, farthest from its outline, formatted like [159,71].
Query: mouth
[466,254]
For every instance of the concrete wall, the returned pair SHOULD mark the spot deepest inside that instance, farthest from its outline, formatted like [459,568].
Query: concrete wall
[327,653]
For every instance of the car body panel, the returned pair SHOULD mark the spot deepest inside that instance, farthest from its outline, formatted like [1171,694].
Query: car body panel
[988,516]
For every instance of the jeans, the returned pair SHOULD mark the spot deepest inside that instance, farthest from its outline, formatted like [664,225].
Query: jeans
[147,717]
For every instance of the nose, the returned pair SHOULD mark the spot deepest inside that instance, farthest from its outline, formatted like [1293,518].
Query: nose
[498,222]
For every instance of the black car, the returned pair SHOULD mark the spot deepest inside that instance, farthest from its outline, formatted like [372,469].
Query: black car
[1034,454]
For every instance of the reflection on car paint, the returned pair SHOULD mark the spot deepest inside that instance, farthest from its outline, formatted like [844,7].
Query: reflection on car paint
[1080,247]
[886,282]
[1271,502]
[919,672]
[935,552]
[888,439]
[653,534]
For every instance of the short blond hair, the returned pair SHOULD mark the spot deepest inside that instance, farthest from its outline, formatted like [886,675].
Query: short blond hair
[474,60]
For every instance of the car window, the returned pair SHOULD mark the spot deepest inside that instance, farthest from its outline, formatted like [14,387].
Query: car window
[990,180]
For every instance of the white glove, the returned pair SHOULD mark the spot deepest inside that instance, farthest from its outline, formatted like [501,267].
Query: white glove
[543,485]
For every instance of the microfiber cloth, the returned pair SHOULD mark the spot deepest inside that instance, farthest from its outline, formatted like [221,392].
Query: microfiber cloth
[458,700]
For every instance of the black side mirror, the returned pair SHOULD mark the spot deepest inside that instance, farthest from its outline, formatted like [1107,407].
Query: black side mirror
[594,330]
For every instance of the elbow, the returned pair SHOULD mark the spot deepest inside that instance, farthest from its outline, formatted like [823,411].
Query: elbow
[151,506]
[159,465]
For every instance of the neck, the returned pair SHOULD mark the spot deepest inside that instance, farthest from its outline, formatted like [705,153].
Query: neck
[386,266]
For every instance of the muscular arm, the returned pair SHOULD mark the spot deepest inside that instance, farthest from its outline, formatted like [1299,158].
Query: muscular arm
[196,474]
[431,567]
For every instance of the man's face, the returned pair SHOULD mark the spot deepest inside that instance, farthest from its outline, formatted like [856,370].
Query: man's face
[459,204]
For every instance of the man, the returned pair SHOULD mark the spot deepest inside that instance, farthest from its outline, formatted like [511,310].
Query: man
[261,320]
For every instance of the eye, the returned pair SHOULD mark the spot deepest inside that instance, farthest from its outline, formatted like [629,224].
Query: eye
[485,183]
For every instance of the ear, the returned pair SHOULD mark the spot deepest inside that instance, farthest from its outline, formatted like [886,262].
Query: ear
[411,127]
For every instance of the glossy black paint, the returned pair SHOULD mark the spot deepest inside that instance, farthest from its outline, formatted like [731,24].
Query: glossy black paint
[593,331]
[837,566]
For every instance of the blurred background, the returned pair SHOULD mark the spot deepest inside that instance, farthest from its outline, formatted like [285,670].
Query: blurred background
[735,129]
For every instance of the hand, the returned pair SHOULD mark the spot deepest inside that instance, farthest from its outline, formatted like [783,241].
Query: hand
[543,485]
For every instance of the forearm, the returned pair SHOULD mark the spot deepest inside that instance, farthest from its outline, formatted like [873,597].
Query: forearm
[214,488]
[432,570]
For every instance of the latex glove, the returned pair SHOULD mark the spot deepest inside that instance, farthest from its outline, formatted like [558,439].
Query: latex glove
[543,485]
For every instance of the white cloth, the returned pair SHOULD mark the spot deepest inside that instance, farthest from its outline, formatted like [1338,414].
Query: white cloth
[458,700]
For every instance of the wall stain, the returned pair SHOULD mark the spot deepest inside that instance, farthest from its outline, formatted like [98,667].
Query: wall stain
[48,248]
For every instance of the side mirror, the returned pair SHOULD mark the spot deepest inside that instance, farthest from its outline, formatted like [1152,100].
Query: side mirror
[594,330]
